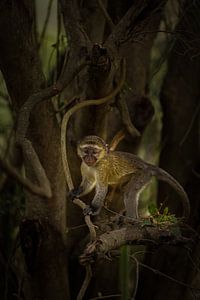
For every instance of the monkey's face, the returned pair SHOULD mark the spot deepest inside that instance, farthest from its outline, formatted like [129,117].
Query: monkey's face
[92,149]
[90,154]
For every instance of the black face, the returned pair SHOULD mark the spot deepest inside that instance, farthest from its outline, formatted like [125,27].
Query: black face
[90,155]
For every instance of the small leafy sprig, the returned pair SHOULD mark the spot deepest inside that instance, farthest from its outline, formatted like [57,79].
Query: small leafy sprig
[162,216]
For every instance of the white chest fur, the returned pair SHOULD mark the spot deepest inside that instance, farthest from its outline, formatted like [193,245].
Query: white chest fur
[88,172]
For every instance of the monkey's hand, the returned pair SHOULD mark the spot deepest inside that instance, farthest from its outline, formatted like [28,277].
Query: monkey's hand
[75,193]
[91,210]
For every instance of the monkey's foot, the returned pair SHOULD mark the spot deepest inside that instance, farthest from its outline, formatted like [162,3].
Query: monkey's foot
[90,210]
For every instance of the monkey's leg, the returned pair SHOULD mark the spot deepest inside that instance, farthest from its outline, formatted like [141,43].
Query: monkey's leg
[132,191]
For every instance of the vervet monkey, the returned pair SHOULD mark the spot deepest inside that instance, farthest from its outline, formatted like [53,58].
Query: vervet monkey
[102,167]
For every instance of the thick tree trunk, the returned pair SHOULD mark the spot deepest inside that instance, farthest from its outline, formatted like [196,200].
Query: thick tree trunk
[43,228]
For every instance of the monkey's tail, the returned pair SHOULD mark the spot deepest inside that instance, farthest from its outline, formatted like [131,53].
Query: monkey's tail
[164,176]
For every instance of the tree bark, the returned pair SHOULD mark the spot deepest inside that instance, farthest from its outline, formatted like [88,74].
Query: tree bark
[43,229]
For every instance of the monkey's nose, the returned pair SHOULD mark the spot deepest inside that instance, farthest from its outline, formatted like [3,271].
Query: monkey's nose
[89,160]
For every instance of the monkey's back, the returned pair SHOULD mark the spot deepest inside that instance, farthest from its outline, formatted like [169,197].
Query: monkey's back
[120,164]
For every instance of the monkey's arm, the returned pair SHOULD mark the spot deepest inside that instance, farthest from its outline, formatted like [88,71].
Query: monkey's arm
[98,200]
[83,189]
[86,186]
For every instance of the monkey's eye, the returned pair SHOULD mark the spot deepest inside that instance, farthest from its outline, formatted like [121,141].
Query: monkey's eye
[96,151]
[86,152]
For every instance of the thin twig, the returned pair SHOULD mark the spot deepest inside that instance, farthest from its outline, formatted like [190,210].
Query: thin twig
[167,276]
[66,105]
[86,282]
[137,274]
[88,221]
[118,214]
[126,119]
[107,297]
[193,263]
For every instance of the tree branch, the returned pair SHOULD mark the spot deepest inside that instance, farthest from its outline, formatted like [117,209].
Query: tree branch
[23,122]
[35,189]
[133,22]
[133,234]
[38,97]
[79,42]
[86,282]
[73,27]
[126,119]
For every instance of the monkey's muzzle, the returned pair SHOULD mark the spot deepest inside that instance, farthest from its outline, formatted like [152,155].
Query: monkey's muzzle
[90,160]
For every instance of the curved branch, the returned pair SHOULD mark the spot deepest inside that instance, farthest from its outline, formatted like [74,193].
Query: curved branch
[119,136]
[126,119]
[32,158]
[86,282]
[29,153]
[33,188]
